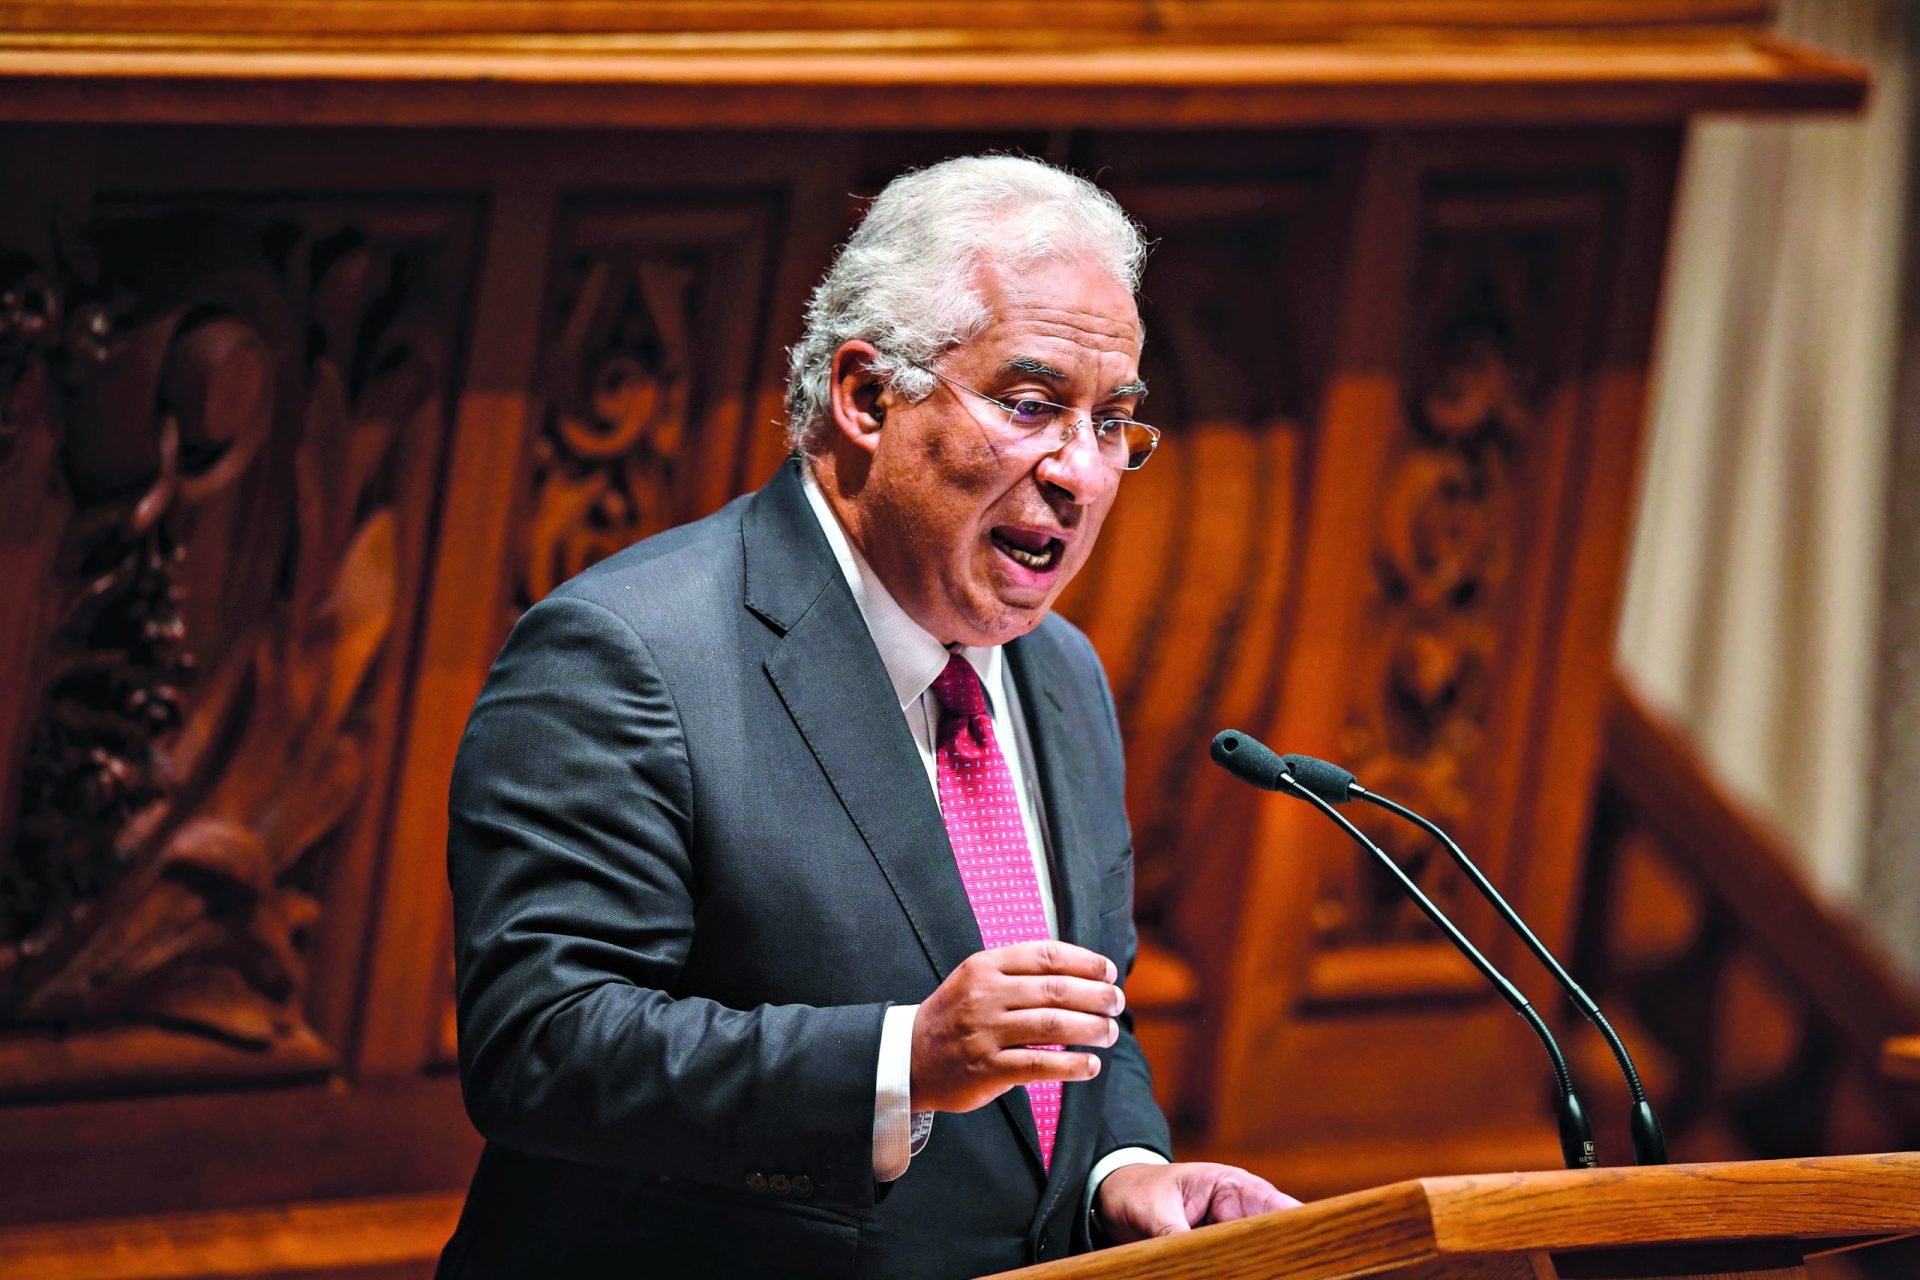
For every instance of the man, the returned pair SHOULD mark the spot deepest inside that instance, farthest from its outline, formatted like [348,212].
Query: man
[791,874]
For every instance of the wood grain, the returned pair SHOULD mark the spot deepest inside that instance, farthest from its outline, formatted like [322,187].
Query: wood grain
[1835,1195]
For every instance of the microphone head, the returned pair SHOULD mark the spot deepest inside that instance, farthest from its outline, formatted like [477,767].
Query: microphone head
[1247,758]
[1328,781]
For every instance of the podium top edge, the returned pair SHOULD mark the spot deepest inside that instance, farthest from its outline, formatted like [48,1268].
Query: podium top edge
[1752,1199]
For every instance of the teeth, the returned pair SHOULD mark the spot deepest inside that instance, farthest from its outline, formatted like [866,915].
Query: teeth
[1032,559]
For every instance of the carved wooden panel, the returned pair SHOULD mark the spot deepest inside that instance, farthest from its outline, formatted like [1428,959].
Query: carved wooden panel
[1449,605]
[231,416]
[1466,535]
[657,314]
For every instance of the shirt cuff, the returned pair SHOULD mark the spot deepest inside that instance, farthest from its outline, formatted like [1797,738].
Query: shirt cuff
[899,1132]
[1108,1163]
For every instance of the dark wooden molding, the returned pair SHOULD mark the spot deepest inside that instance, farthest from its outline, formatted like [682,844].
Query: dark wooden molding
[866,64]
[784,21]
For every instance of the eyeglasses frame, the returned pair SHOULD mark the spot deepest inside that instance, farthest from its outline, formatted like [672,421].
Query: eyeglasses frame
[1067,432]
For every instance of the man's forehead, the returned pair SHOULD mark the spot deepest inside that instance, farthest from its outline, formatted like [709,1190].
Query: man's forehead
[1070,293]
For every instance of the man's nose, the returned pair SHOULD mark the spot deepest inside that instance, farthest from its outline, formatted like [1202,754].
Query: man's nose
[1076,467]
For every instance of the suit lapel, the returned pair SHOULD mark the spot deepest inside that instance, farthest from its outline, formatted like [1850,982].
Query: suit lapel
[830,677]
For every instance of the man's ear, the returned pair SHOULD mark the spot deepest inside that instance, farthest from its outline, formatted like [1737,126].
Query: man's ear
[860,399]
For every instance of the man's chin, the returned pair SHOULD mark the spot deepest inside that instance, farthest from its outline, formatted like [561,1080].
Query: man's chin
[984,618]
[1009,623]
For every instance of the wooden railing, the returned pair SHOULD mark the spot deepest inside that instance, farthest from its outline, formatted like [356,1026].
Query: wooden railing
[1758,1013]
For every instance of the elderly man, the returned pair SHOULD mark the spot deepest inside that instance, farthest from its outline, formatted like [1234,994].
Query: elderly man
[791,875]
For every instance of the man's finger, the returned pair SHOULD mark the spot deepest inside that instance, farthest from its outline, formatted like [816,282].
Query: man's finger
[1057,991]
[1244,1196]
[1266,1199]
[1056,1026]
[1026,1064]
[1228,1203]
[1056,957]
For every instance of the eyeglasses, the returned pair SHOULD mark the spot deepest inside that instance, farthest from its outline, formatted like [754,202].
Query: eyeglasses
[1121,443]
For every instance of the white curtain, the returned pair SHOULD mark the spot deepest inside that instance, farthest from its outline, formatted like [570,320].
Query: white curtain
[1753,603]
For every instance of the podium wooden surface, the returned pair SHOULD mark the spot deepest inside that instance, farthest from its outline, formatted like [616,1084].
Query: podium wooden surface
[1744,1220]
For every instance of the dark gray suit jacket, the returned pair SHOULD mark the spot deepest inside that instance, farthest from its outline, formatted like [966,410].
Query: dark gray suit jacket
[694,859]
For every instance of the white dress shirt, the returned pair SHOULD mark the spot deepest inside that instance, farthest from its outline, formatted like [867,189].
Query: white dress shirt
[914,659]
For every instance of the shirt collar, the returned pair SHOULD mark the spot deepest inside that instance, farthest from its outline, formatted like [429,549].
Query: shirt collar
[912,656]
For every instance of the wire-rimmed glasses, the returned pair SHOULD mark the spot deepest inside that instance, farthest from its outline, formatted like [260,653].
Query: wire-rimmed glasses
[1121,443]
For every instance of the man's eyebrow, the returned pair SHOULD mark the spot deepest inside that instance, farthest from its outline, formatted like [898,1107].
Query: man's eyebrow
[1038,368]
[1041,369]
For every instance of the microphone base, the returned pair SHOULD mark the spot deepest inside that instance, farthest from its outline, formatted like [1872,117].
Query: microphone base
[1576,1135]
[1649,1143]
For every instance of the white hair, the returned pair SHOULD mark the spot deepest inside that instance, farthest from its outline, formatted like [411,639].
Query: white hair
[904,280]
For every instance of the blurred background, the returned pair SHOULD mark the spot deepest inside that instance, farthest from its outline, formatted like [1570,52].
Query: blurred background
[1542,384]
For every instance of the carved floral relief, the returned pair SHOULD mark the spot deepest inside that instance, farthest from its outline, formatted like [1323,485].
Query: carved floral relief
[1449,535]
[618,379]
[209,409]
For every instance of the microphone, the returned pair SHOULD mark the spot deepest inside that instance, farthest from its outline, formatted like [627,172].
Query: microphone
[1335,785]
[1253,762]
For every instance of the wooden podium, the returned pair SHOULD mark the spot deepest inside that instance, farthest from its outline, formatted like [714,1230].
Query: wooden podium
[1838,1216]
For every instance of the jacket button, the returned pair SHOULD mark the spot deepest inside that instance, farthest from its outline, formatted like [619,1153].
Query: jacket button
[757,1181]
[802,1186]
[778,1184]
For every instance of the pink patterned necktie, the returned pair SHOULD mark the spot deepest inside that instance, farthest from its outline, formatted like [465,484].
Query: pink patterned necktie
[989,840]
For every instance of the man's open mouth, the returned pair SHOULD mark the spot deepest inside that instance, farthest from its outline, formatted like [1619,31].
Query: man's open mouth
[1029,547]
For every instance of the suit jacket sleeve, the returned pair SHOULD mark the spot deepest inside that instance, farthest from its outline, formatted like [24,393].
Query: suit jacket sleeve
[573,855]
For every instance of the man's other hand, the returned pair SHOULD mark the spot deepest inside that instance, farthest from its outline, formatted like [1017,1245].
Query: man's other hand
[976,1036]
[1141,1201]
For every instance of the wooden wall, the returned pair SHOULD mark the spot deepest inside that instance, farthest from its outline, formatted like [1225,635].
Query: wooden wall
[295,422]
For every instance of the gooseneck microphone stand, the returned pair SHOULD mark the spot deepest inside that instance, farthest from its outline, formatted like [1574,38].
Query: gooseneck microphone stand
[1252,761]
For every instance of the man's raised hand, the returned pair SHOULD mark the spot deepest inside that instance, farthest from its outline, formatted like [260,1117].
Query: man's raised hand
[974,1038]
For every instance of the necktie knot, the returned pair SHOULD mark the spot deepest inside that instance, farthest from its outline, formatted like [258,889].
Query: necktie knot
[958,690]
